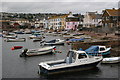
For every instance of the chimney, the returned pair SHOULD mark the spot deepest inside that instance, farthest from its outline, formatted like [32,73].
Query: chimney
[70,12]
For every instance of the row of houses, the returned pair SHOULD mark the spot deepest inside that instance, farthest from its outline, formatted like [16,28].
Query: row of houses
[109,18]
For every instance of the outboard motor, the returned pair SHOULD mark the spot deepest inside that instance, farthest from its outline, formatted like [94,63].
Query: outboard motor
[23,54]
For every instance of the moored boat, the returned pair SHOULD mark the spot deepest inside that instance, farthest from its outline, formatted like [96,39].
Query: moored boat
[15,40]
[36,37]
[54,42]
[39,51]
[111,60]
[10,36]
[19,32]
[36,40]
[97,49]
[75,40]
[75,60]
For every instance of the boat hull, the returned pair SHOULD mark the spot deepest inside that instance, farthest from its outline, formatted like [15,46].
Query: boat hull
[111,60]
[59,43]
[103,53]
[68,69]
[15,40]
[40,53]
[34,52]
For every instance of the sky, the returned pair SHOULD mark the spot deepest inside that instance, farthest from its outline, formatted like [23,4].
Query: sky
[56,6]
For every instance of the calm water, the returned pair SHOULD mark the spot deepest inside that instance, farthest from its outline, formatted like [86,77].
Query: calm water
[15,67]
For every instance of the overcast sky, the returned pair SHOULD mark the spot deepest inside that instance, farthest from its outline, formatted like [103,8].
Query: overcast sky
[56,6]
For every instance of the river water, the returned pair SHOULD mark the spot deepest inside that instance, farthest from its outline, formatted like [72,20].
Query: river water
[14,66]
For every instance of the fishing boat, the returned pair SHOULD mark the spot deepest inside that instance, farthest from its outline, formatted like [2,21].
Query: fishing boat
[75,60]
[54,42]
[39,51]
[15,40]
[111,60]
[95,50]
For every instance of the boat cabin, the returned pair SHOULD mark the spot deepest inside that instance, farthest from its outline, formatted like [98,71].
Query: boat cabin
[75,56]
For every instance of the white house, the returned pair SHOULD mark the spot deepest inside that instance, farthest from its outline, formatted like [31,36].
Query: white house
[92,19]
[57,22]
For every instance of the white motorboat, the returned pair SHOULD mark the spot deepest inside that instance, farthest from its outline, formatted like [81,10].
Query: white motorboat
[111,60]
[36,40]
[10,36]
[39,51]
[54,42]
[15,40]
[75,60]
[36,37]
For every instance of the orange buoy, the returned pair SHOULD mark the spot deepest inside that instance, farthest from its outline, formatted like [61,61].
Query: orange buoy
[12,48]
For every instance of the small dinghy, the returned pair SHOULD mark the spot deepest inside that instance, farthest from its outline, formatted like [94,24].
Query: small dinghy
[36,37]
[75,60]
[111,60]
[54,42]
[13,36]
[16,40]
[16,47]
[36,40]
[96,50]
[35,52]
[19,32]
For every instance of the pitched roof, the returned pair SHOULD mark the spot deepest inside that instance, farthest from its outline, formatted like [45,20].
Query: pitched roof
[113,12]
[61,16]
[95,15]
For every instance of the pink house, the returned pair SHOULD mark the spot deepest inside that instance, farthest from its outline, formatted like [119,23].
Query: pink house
[72,25]
[72,22]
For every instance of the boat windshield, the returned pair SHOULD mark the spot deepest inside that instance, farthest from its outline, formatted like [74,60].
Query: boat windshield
[71,54]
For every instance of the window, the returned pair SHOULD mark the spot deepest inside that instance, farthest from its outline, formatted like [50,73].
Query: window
[82,56]
[102,49]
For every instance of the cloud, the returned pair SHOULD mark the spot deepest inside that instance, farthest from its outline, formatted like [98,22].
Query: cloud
[60,0]
[56,7]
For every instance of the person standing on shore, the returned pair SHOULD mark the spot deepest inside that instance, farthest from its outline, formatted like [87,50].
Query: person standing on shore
[106,34]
